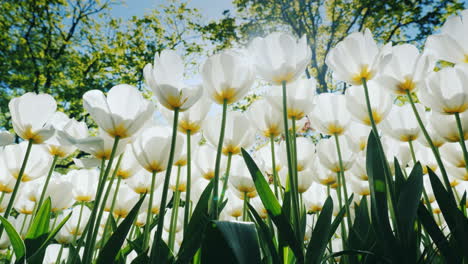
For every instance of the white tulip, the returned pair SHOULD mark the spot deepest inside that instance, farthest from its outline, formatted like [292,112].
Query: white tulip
[279,57]
[29,115]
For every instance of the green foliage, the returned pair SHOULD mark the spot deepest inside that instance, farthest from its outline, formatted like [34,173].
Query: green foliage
[233,242]
[17,243]
[66,48]
[326,22]
[113,245]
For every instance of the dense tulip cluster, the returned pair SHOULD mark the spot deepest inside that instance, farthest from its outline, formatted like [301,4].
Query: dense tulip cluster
[307,146]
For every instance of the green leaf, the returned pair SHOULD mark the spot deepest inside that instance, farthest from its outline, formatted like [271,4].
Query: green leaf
[38,256]
[266,236]
[18,245]
[320,234]
[455,219]
[379,207]
[38,232]
[399,177]
[437,235]
[41,221]
[232,242]
[339,217]
[196,227]
[273,208]
[408,201]
[113,245]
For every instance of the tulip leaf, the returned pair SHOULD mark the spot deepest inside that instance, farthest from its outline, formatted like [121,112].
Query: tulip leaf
[455,219]
[273,207]
[115,242]
[41,221]
[320,234]
[375,170]
[339,217]
[233,242]
[38,232]
[17,243]
[408,201]
[266,236]
[199,220]
[437,235]
[399,177]
[38,256]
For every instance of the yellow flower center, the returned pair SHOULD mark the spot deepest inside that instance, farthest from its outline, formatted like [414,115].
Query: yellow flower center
[407,85]
[119,130]
[296,113]
[288,77]
[232,149]
[29,135]
[209,175]
[376,115]
[83,198]
[364,73]
[457,109]
[335,129]
[272,131]
[185,126]
[154,166]
[56,151]
[228,94]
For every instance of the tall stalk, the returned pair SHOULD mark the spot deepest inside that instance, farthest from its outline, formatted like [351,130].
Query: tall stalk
[291,169]
[157,236]
[426,197]
[214,204]
[111,210]
[89,246]
[189,183]
[46,184]
[175,211]
[462,139]
[75,235]
[226,177]
[433,148]
[273,165]
[388,174]
[146,231]
[343,180]
[17,184]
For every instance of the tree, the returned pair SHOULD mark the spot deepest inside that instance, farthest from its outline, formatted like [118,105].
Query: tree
[66,47]
[326,22]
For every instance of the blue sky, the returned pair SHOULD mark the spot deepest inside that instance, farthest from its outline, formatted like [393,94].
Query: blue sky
[210,9]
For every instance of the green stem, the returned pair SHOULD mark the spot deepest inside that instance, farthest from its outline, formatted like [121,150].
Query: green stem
[1,197]
[462,139]
[146,231]
[90,235]
[273,166]
[59,255]
[88,226]
[18,181]
[75,235]
[189,183]
[46,184]
[175,211]
[387,172]
[244,208]
[345,189]
[104,200]
[433,148]
[157,236]
[17,184]
[23,224]
[214,204]
[413,156]
[226,177]
[109,219]
[291,169]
